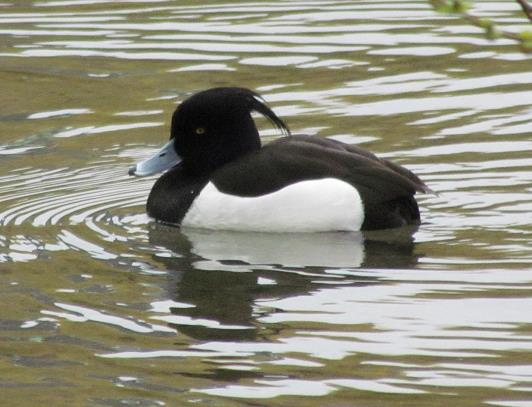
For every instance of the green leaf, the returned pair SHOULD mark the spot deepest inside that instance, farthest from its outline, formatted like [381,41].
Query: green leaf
[526,35]
[485,23]
[492,32]
[461,6]
[451,6]
[442,6]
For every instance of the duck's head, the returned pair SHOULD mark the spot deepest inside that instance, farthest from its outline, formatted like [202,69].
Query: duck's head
[210,129]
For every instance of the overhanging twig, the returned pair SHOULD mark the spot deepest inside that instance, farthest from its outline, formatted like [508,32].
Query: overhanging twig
[493,30]
[527,8]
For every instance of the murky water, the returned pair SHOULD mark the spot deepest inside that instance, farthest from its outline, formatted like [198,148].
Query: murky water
[100,306]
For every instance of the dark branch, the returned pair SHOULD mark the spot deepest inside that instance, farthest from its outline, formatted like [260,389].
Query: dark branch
[527,8]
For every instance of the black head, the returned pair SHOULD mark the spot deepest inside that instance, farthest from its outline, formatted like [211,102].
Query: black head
[214,127]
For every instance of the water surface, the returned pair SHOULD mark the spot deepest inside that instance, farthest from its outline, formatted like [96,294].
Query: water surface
[100,306]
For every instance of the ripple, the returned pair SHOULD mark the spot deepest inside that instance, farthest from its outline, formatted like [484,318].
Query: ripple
[254,315]
[12,150]
[479,101]
[168,56]
[58,113]
[104,129]
[69,197]
[289,387]
[63,3]
[49,197]
[420,51]
[82,314]
[277,61]
[284,28]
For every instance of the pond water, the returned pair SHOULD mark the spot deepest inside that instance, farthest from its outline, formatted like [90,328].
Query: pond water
[100,306]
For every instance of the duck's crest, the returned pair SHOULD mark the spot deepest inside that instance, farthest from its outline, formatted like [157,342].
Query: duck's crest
[236,98]
[258,104]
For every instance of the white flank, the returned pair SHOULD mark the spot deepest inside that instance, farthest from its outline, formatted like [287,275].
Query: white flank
[322,205]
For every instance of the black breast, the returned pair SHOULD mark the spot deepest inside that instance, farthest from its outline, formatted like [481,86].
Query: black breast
[172,195]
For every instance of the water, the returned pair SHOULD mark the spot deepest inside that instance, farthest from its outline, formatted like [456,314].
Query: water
[100,306]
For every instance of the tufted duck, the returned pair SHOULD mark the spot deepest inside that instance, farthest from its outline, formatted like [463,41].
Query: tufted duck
[221,177]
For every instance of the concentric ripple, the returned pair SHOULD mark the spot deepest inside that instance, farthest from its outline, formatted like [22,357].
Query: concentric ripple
[66,195]
[102,306]
[94,201]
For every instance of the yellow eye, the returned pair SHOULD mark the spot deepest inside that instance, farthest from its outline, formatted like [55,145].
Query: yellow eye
[200,131]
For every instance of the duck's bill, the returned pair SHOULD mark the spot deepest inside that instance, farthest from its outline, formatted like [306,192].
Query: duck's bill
[164,159]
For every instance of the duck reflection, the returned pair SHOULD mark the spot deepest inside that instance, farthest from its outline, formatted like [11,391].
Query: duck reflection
[224,275]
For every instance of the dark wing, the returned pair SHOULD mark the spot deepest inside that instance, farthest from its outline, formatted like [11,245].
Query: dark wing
[299,158]
[386,189]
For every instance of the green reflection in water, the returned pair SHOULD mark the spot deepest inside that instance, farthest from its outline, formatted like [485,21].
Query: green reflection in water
[101,307]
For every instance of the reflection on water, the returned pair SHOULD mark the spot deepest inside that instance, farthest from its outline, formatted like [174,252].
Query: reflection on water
[223,274]
[103,307]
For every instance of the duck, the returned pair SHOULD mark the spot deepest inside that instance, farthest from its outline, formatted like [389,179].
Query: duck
[218,174]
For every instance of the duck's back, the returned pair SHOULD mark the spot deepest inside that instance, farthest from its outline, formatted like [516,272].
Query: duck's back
[384,189]
[296,183]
